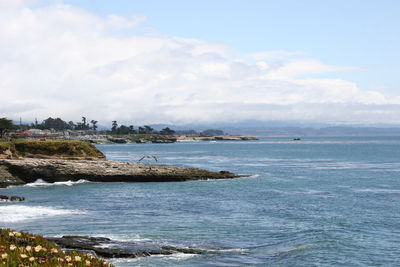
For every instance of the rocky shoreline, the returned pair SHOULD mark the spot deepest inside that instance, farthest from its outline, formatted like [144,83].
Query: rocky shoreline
[158,139]
[27,170]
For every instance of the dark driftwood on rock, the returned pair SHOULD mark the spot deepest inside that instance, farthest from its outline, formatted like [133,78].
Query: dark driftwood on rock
[58,170]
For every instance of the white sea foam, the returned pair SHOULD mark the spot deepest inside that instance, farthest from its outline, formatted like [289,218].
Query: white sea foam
[379,191]
[172,257]
[234,250]
[19,213]
[125,237]
[40,183]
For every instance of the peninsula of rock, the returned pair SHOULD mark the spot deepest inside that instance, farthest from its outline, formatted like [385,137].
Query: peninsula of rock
[20,171]
[24,162]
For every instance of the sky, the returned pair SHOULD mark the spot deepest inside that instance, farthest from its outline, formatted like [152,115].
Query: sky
[178,62]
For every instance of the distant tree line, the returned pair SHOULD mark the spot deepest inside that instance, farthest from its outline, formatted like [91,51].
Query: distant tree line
[61,125]
[58,124]
[123,129]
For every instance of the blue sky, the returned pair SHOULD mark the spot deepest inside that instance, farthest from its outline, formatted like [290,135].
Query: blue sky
[360,33]
[141,62]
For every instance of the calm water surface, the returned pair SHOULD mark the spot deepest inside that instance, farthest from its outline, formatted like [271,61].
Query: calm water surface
[314,202]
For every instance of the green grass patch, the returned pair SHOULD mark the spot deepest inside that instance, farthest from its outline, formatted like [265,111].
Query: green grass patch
[51,148]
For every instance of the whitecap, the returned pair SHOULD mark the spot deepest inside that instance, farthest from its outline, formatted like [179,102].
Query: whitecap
[125,237]
[19,213]
[42,183]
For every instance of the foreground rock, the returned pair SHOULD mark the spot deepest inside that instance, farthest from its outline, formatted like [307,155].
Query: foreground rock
[108,248]
[58,170]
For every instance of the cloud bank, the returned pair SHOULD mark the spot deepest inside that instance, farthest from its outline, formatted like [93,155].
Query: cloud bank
[60,60]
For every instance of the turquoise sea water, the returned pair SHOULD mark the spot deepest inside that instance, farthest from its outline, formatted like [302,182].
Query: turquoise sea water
[314,202]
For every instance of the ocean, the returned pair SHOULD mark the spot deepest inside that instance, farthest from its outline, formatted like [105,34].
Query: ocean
[323,201]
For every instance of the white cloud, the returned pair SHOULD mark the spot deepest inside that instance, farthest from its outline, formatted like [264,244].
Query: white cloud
[275,55]
[59,60]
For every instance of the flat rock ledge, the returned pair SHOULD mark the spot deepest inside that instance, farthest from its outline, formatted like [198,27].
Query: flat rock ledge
[107,248]
[21,171]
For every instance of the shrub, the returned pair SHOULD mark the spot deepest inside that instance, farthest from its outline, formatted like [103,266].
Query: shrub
[28,250]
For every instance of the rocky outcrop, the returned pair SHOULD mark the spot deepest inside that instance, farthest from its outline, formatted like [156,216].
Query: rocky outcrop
[4,198]
[57,170]
[217,138]
[7,179]
[108,248]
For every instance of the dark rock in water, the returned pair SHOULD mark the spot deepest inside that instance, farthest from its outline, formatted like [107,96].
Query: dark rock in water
[59,170]
[16,198]
[108,248]
[118,140]
[163,141]
[11,199]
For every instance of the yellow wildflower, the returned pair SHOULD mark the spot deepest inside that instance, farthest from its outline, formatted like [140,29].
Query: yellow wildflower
[68,258]
[31,258]
[54,250]
[28,248]
[23,256]
[13,247]
[87,263]
[77,258]
[17,233]
[4,256]
[38,248]
[11,234]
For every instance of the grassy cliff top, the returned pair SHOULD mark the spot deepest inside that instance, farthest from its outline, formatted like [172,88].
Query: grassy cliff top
[49,148]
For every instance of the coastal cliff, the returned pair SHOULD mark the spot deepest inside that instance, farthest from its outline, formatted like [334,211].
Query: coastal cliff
[25,161]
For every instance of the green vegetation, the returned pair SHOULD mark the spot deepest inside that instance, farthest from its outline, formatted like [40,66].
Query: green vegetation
[53,148]
[28,250]
[5,126]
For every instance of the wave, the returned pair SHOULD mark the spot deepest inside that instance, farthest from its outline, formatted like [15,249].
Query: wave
[125,237]
[19,213]
[40,183]
[172,257]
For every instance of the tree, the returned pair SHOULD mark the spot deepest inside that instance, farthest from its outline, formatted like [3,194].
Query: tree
[114,126]
[167,131]
[212,132]
[148,129]
[5,126]
[71,125]
[56,124]
[82,125]
[94,126]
